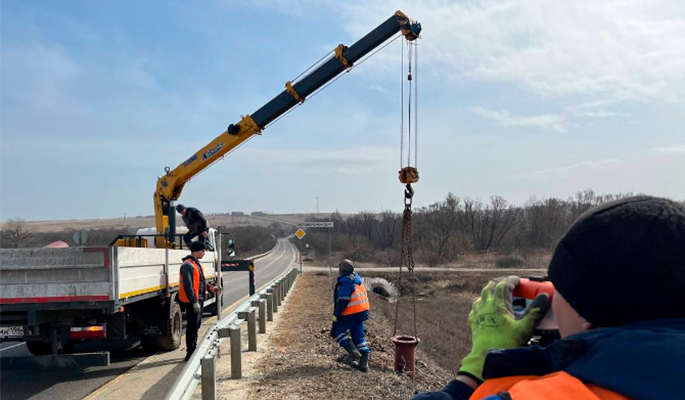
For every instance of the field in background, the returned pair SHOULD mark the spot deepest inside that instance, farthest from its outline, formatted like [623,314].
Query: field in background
[148,222]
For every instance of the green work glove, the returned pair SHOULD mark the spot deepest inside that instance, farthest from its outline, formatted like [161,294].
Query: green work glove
[494,324]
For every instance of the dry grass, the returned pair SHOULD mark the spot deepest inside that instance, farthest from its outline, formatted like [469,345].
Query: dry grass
[303,364]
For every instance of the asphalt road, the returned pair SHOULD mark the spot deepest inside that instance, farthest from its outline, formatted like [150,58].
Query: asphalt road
[75,384]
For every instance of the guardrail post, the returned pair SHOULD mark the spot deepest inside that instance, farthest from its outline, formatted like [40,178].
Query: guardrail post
[250,316]
[274,295]
[269,306]
[279,292]
[236,353]
[252,330]
[208,378]
[261,306]
[283,289]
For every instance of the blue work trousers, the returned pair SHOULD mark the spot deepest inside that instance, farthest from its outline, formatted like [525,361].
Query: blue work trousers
[353,323]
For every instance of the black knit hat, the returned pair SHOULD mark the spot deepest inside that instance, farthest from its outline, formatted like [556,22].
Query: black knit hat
[197,246]
[180,208]
[624,262]
[346,267]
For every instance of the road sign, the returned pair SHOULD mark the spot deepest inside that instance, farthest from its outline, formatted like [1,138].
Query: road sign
[300,233]
[80,237]
[315,225]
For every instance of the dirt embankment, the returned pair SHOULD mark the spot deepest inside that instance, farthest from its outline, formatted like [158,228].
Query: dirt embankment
[301,363]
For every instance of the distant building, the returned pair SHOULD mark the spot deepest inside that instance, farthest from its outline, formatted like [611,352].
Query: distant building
[60,244]
[259,214]
[238,214]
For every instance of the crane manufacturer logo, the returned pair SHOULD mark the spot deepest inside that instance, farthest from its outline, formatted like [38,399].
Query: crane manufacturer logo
[208,153]
[190,160]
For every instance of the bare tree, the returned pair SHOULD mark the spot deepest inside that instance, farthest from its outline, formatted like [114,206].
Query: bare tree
[387,229]
[442,223]
[17,232]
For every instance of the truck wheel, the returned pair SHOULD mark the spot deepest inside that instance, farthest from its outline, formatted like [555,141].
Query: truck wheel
[171,340]
[39,348]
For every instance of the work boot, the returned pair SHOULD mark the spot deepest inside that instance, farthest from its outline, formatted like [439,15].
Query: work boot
[352,353]
[363,364]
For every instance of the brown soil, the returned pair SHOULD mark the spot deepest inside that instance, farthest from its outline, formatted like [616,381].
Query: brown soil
[302,361]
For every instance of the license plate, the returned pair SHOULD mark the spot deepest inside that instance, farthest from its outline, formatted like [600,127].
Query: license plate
[11,331]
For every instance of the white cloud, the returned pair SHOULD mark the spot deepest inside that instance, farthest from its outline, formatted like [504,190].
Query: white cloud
[581,168]
[600,114]
[673,149]
[355,161]
[503,118]
[613,50]
[41,75]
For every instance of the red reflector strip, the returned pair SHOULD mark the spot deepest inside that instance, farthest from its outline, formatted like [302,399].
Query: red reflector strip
[87,332]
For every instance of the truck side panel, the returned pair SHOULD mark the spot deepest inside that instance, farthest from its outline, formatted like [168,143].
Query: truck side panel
[142,270]
[55,275]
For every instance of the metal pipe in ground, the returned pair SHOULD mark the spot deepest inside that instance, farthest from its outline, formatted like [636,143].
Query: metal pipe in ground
[236,353]
[405,353]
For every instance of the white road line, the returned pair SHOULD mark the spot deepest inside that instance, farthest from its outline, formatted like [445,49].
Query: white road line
[278,258]
[11,347]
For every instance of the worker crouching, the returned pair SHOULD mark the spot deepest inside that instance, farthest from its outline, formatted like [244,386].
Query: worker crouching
[351,310]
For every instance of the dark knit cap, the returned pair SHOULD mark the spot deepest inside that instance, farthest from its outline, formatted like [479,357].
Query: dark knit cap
[624,262]
[346,267]
[180,208]
[197,246]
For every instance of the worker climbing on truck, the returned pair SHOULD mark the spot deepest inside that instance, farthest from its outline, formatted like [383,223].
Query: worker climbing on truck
[618,275]
[351,310]
[196,223]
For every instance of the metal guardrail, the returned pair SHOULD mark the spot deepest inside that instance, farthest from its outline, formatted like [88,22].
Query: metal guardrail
[200,368]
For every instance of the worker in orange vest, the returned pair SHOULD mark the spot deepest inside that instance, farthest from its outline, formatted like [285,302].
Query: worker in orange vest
[350,312]
[619,276]
[192,286]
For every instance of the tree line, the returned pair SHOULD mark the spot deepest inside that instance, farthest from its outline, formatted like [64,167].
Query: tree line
[448,229]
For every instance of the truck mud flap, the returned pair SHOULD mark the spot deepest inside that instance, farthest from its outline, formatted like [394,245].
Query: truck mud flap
[82,360]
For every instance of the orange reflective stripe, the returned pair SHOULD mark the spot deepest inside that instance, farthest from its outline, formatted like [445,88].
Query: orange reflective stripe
[559,386]
[182,295]
[359,301]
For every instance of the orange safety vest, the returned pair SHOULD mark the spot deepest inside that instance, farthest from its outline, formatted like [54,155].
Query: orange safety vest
[359,301]
[196,282]
[559,386]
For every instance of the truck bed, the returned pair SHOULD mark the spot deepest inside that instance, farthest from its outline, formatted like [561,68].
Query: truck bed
[55,278]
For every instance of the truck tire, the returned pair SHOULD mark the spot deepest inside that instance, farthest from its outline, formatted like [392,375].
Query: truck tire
[171,339]
[39,348]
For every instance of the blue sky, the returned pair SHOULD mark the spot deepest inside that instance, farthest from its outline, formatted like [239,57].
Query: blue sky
[516,98]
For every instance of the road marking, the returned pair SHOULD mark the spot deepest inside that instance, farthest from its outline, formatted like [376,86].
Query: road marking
[13,346]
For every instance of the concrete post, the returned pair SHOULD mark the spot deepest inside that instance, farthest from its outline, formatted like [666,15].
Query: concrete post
[279,290]
[283,289]
[252,330]
[274,296]
[208,378]
[261,306]
[250,316]
[269,307]
[236,353]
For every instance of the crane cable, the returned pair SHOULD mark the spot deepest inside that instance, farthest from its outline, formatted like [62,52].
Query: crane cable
[408,175]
